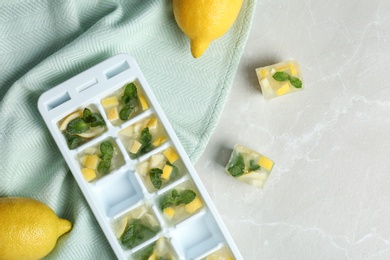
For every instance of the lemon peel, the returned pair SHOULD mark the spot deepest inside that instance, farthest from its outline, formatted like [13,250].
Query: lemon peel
[29,228]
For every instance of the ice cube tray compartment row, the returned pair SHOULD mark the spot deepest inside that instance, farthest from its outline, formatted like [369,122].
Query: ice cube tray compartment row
[120,192]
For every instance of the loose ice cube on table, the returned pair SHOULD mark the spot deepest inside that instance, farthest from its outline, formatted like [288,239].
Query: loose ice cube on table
[280,79]
[249,166]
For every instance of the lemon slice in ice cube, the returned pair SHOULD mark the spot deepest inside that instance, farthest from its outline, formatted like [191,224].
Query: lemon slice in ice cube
[92,132]
[119,227]
[69,118]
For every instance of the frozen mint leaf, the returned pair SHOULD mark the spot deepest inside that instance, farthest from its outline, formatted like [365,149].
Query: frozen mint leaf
[135,234]
[107,152]
[107,148]
[297,83]
[186,196]
[253,166]
[97,120]
[237,166]
[131,91]
[125,99]
[166,204]
[87,114]
[104,166]
[175,194]
[281,76]
[155,177]
[125,112]
[146,140]
[146,253]
[175,198]
[175,170]
[74,141]
[93,119]
[77,126]
[129,99]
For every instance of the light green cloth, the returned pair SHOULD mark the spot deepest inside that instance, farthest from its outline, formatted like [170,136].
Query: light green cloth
[45,42]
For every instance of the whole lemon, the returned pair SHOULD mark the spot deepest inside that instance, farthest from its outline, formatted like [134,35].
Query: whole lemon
[205,20]
[28,228]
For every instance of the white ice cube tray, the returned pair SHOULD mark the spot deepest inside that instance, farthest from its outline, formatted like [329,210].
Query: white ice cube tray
[123,190]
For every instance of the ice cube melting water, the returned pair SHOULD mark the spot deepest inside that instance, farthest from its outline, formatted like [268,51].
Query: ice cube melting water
[131,167]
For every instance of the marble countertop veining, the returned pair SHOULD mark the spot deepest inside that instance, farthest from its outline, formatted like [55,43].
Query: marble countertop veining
[328,196]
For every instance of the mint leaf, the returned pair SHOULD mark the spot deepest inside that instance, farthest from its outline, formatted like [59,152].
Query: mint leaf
[281,76]
[106,148]
[135,234]
[105,157]
[129,99]
[166,204]
[87,114]
[125,112]
[97,120]
[174,194]
[77,126]
[253,166]
[186,196]
[106,154]
[146,253]
[146,143]
[130,95]
[237,166]
[297,83]
[93,119]
[175,198]
[175,171]
[131,91]
[146,140]
[155,177]
[74,141]
[104,166]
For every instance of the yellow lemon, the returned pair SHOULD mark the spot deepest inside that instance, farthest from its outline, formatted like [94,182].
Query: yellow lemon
[29,228]
[205,20]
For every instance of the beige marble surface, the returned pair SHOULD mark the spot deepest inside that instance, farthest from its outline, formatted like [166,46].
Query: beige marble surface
[328,196]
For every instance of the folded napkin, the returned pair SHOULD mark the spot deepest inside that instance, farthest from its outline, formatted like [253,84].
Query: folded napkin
[43,43]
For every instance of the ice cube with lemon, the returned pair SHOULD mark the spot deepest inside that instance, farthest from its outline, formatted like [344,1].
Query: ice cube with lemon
[249,166]
[180,203]
[82,126]
[125,103]
[143,136]
[136,227]
[280,79]
[100,159]
[161,169]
